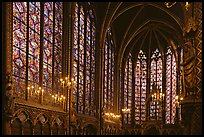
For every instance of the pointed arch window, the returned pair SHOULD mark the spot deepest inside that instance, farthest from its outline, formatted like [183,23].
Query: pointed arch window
[84,59]
[140,88]
[108,90]
[156,77]
[128,88]
[170,87]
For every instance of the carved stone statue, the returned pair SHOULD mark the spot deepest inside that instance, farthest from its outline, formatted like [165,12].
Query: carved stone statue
[9,106]
[9,99]
[73,115]
[188,71]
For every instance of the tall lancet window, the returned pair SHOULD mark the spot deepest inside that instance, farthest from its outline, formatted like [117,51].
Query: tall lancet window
[108,89]
[84,59]
[170,87]
[140,88]
[52,48]
[156,78]
[28,19]
[128,89]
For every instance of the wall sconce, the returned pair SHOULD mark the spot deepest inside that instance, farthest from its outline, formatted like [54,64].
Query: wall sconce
[171,4]
[187,5]
[178,101]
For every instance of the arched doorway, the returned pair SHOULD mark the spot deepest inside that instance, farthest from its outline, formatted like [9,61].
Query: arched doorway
[152,131]
[91,129]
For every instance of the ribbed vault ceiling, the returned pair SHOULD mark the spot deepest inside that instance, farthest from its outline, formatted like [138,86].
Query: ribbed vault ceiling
[140,25]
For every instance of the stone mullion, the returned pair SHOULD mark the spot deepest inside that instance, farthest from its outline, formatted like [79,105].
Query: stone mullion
[53,48]
[65,41]
[116,83]
[177,84]
[84,70]
[41,47]
[27,52]
[133,92]
[71,48]
[90,69]
[164,88]
[78,43]
[107,77]
[122,94]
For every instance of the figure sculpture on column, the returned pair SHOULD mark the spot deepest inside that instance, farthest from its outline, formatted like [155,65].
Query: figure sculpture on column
[188,71]
[9,101]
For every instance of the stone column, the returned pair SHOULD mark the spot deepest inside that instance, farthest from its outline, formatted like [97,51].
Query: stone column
[7,93]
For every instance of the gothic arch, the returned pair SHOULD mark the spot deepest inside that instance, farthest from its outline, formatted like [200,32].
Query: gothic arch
[43,118]
[91,129]
[152,130]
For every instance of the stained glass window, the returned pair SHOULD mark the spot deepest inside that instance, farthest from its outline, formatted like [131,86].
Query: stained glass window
[128,88]
[48,47]
[58,17]
[170,87]
[24,33]
[108,89]
[27,41]
[156,77]
[144,104]
[140,88]
[84,59]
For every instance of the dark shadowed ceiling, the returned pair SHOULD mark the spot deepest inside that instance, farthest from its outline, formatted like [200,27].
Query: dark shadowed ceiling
[140,25]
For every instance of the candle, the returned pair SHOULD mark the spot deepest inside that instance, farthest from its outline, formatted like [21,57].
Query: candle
[31,90]
[28,89]
[39,91]
[55,99]
[42,92]
[63,84]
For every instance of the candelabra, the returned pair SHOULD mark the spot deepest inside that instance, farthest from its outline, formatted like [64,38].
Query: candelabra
[111,116]
[68,83]
[36,92]
[126,110]
[158,96]
[59,99]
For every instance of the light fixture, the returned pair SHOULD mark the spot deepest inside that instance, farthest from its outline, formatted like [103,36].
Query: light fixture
[171,4]
[156,94]
[126,110]
[111,116]
[178,101]
[187,6]
[65,82]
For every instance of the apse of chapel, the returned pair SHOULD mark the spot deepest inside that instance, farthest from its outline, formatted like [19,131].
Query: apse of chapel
[127,20]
